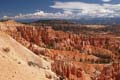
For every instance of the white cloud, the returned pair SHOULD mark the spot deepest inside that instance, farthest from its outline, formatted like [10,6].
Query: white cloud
[75,10]
[94,10]
[42,14]
[106,0]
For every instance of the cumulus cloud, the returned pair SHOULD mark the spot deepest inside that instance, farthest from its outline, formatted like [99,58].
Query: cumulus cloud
[75,10]
[42,15]
[96,10]
[106,0]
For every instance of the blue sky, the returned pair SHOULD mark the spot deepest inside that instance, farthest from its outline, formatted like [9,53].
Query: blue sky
[59,8]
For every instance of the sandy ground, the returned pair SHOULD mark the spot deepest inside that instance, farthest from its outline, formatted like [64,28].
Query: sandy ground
[14,60]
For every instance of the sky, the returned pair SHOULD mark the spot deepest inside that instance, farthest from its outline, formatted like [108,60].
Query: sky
[58,9]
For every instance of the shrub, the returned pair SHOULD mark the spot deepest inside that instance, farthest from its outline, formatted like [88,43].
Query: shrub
[31,63]
[19,62]
[6,49]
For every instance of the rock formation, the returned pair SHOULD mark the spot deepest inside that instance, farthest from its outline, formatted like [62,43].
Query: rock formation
[74,56]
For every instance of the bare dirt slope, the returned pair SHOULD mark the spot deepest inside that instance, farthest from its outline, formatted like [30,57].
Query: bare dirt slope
[18,63]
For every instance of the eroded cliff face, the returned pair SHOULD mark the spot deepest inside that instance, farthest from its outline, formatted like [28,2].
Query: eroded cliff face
[99,46]
[111,72]
[68,70]
[68,50]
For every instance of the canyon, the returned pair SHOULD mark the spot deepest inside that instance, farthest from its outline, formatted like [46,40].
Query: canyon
[73,51]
